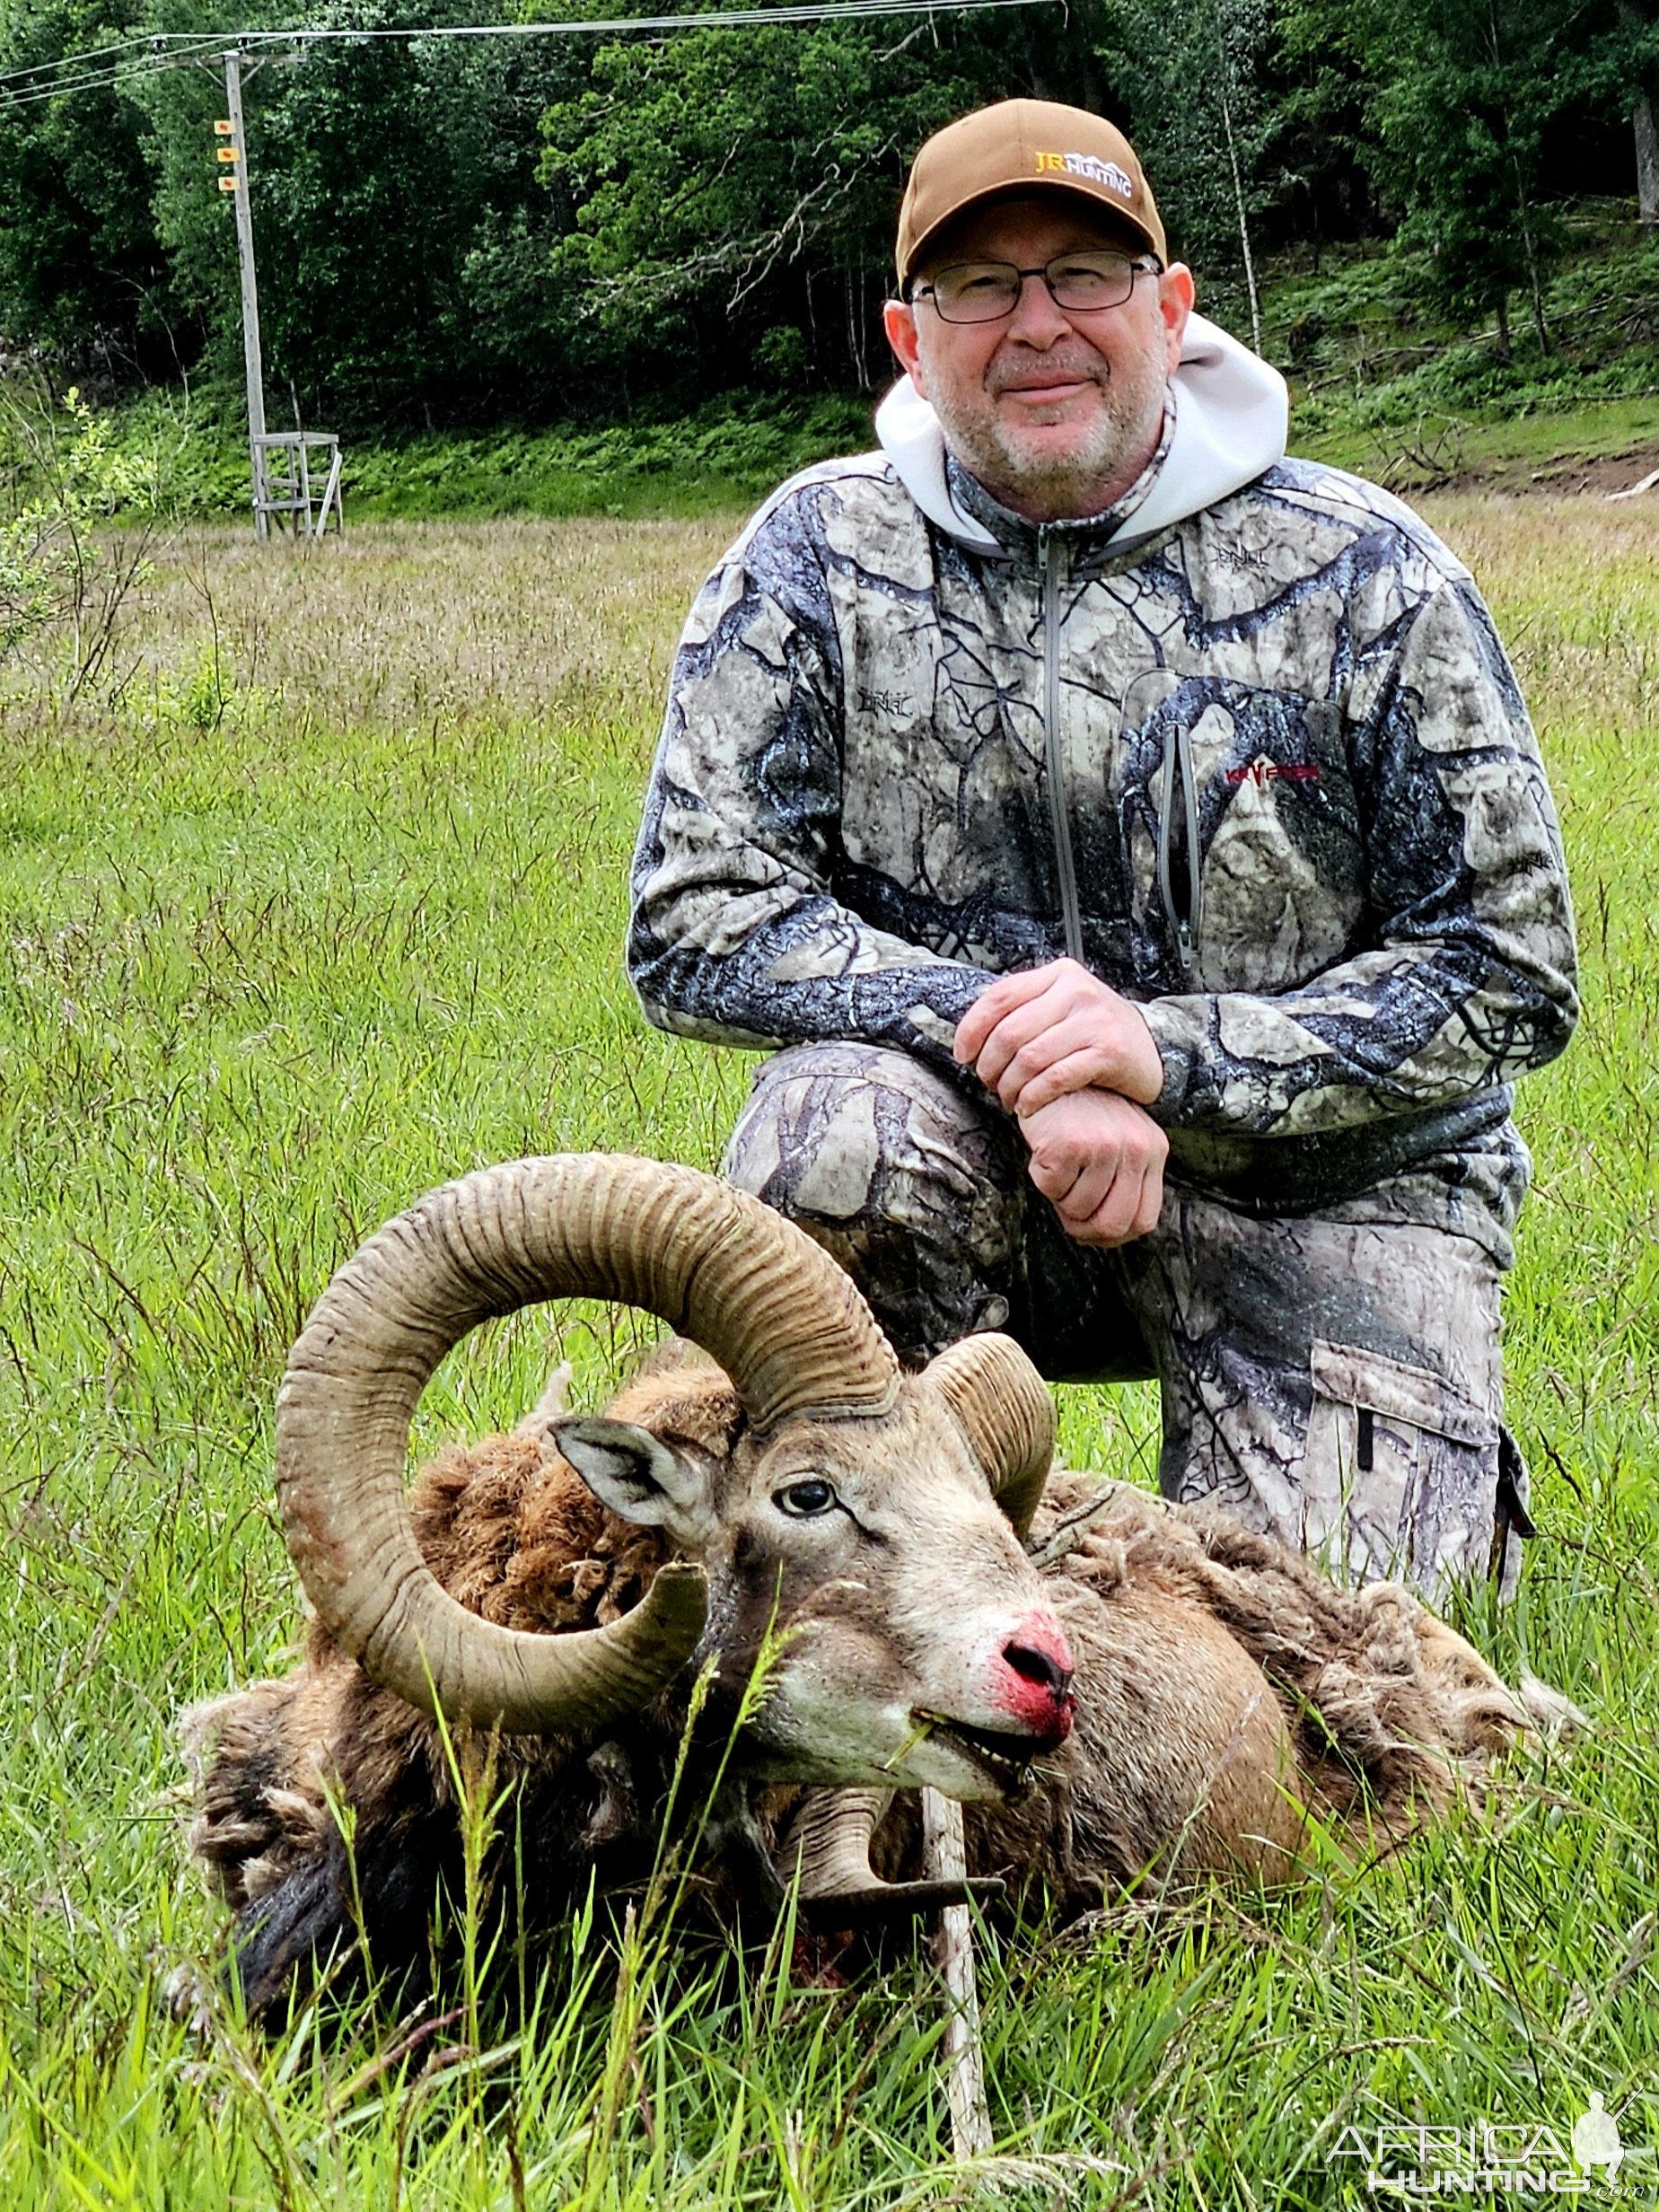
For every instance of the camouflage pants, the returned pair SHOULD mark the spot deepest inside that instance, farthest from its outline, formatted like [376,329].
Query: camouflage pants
[1335,1383]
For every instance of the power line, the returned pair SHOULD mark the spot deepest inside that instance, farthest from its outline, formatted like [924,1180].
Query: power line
[817,11]
[99,81]
[112,73]
[102,78]
[84,55]
[173,49]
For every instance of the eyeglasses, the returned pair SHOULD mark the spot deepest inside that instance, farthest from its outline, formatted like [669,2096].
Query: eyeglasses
[987,291]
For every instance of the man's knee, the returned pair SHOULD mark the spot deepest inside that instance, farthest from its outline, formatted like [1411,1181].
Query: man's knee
[913,1187]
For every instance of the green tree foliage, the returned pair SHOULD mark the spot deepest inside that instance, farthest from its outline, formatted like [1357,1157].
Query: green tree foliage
[403,241]
[1195,83]
[462,232]
[1631,59]
[404,230]
[1467,91]
[1473,119]
[81,266]
[734,193]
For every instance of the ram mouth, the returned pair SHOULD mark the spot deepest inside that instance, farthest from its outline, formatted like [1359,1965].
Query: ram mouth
[1006,1758]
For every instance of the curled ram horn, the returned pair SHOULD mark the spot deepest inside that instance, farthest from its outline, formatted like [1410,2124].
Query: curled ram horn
[828,1846]
[1004,1409]
[783,1321]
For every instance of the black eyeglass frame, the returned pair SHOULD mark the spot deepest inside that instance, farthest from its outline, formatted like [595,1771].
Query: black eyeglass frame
[1135,265]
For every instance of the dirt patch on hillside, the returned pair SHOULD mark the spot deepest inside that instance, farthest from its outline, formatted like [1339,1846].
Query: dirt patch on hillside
[1611,472]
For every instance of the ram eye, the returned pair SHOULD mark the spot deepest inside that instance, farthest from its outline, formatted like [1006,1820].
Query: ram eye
[804,1499]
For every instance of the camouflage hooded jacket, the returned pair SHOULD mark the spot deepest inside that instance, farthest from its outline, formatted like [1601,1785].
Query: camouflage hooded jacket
[1247,746]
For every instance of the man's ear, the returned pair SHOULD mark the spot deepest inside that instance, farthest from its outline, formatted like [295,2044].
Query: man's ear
[1176,294]
[899,321]
[637,1475]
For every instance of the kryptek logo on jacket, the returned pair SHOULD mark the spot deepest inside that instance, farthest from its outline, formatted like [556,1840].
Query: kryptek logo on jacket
[1261,770]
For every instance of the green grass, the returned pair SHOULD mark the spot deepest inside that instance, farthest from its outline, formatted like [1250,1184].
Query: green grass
[325,906]
[1512,453]
[1385,384]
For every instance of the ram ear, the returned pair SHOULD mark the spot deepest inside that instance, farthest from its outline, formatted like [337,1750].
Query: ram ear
[636,1475]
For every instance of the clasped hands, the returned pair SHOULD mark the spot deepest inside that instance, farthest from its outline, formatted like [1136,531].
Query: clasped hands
[1076,1062]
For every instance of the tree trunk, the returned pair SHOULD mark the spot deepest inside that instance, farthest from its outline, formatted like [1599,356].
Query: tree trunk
[814,349]
[1238,185]
[1646,161]
[1645,128]
[1535,281]
[1536,287]
[1503,349]
[855,328]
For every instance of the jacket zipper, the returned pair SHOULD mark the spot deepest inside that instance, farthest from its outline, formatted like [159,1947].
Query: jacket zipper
[1182,899]
[1049,554]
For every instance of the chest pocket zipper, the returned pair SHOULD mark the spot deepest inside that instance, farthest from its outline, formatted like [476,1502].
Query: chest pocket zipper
[1181,885]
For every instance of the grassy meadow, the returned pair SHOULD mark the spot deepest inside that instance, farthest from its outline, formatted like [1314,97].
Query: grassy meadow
[321,904]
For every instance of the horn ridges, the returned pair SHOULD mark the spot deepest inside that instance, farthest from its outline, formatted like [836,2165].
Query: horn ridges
[789,1328]
[1005,1407]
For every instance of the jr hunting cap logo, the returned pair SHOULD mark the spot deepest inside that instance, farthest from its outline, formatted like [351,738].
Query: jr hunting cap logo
[1085,165]
[1025,145]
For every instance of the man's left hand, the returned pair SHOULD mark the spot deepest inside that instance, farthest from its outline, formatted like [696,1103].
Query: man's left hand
[1098,1159]
[1047,1031]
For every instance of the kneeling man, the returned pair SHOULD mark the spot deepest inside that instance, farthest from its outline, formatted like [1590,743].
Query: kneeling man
[1137,843]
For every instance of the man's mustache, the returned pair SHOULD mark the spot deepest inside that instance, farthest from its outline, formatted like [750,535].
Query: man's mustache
[1053,369]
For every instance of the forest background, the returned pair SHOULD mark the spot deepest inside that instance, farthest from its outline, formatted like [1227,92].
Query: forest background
[1456,202]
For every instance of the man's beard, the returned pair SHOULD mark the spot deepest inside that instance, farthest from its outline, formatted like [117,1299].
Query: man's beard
[1010,459]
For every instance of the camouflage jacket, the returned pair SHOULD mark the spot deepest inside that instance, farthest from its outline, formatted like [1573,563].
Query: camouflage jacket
[1247,746]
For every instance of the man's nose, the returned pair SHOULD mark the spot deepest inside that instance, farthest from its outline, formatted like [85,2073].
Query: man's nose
[1037,319]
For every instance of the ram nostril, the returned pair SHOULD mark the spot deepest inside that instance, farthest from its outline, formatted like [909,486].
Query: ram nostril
[1040,1667]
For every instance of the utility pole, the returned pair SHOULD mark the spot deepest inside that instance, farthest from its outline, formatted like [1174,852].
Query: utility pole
[286,489]
[238,181]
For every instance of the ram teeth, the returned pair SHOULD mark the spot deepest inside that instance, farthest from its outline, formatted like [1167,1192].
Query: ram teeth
[970,1740]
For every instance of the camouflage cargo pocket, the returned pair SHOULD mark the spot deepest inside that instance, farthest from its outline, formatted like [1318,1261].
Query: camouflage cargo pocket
[1400,1476]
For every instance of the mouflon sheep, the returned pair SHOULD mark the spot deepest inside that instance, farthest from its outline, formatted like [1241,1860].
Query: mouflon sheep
[1230,1696]
[563,1585]
[803,1494]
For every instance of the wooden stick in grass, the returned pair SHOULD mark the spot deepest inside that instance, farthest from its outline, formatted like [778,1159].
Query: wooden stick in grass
[944,1858]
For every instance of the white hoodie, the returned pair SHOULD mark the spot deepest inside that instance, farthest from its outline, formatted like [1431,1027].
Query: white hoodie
[1231,412]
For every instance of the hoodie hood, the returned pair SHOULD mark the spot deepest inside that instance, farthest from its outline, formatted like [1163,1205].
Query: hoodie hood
[1231,411]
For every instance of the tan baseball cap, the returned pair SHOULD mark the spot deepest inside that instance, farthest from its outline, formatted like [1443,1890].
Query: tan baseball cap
[1023,145]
